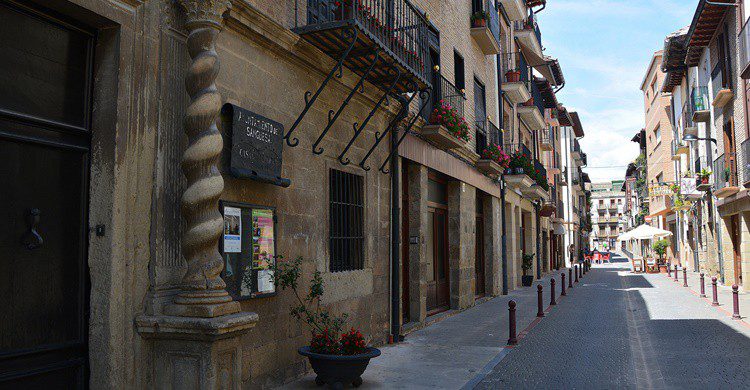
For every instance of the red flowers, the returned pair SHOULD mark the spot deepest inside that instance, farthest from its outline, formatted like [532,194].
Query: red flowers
[447,116]
[350,343]
[495,153]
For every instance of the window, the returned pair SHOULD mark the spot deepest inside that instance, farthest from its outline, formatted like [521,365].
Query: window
[657,134]
[346,221]
[458,71]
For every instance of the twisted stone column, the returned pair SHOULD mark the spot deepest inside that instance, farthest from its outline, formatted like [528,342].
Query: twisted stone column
[203,291]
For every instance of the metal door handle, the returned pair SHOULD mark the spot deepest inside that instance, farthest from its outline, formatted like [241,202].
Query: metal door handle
[31,239]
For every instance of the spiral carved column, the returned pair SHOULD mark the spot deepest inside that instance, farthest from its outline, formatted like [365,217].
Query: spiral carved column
[203,291]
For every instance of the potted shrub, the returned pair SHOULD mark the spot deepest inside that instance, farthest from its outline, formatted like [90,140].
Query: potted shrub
[479,19]
[660,248]
[703,175]
[528,262]
[519,163]
[727,174]
[529,102]
[336,357]
[513,75]
[494,153]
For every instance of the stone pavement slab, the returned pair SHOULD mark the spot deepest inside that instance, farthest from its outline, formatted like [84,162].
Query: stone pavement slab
[451,353]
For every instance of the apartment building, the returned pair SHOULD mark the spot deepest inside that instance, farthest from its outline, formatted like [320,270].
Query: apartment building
[608,214]
[323,135]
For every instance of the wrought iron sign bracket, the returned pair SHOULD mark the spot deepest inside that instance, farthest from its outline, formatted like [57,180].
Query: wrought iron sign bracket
[332,117]
[425,96]
[405,103]
[358,129]
[349,35]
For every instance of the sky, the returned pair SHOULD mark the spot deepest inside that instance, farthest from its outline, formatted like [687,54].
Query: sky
[604,48]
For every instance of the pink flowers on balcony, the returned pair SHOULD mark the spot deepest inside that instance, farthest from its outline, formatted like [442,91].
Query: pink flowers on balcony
[495,153]
[447,116]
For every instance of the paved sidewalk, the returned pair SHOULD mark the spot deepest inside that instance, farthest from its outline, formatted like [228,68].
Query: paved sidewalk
[629,330]
[455,351]
[724,294]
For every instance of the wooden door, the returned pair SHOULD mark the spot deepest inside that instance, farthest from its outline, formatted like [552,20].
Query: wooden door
[479,270]
[729,152]
[736,243]
[438,289]
[45,78]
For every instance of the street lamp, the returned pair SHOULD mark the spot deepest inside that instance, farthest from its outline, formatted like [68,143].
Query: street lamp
[693,137]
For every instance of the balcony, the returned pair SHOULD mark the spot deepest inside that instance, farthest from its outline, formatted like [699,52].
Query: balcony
[530,112]
[536,191]
[516,85]
[660,205]
[487,134]
[360,28]
[699,99]
[553,163]
[529,39]
[686,120]
[518,179]
[725,176]
[515,9]
[545,139]
[700,164]
[449,94]
[722,86]
[485,26]
[575,151]
[564,178]
[584,159]
[679,148]
[744,48]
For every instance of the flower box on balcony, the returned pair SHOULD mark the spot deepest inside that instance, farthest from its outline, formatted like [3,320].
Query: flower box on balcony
[517,178]
[441,136]
[486,40]
[489,167]
[493,160]
[547,209]
[535,191]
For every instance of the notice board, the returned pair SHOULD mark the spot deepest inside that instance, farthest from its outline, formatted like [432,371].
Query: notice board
[248,247]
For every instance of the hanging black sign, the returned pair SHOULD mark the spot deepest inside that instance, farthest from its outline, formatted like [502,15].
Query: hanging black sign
[256,145]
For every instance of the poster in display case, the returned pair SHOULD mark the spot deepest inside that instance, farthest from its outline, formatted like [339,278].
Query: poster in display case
[248,269]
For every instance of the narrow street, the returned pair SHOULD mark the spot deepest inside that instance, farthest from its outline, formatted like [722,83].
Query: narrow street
[626,330]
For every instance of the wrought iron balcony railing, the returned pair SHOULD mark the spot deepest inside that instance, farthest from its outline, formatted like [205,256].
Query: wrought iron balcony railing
[486,133]
[725,171]
[395,28]
[699,99]
[511,148]
[745,51]
[719,80]
[448,93]
[493,21]
[745,150]
[700,163]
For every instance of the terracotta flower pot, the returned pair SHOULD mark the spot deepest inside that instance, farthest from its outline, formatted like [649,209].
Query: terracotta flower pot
[513,76]
[480,23]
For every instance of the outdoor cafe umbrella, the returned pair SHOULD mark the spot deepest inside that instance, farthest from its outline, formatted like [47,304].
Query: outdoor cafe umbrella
[646,232]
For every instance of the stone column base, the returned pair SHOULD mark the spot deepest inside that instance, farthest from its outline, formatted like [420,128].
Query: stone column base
[196,353]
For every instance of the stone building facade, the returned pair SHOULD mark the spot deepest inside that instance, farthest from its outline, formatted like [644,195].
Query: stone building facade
[399,224]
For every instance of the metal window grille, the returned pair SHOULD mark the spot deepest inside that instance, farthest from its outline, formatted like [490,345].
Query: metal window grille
[346,243]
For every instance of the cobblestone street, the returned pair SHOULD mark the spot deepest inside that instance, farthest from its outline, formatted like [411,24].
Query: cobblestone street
[625,330]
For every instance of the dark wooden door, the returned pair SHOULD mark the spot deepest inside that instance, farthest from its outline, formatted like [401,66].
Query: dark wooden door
[438,288]
[736,242]
[729,152]
[479,270]
[44,145]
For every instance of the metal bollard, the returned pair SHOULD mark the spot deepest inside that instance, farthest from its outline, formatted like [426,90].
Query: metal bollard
[716,292]
[735,302]
[576,266]
[570,277]
[539,301]
[684,277]
[703,287]
[512,340]
[669,270]
[562,285]
[552,292]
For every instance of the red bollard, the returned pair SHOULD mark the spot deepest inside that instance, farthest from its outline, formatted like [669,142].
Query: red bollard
[735,302]
[540,301]
[684,277]
[562,285]
[552,292]
[570,277]
[675,273]
[703,287]
[576,266]
[512,340]
[716,292]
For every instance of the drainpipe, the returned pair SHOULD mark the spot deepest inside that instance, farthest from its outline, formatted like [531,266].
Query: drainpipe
[396,226]
[538,234]
[717,231]
[503,241]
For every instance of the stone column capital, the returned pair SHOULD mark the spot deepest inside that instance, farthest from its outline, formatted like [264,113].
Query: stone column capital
[205,13]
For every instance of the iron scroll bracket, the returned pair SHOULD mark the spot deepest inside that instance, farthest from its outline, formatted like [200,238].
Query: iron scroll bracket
[358,129]
[403,112]
[425,96]
[349,35]
[333,117]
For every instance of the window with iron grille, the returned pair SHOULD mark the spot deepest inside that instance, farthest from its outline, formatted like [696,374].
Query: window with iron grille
[346,243]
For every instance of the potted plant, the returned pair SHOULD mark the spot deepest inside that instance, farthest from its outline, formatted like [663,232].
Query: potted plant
[479,19]
[447,116]
[493,152]
[519,163]
[513,75]
[528,262]
[529,102]
[703,175]
[727,174]
[336,357]
[660,248]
